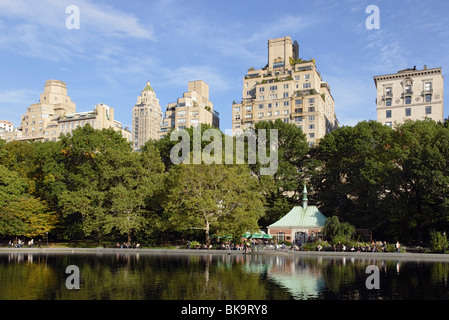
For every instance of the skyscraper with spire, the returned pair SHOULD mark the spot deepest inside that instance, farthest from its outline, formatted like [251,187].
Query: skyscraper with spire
[147,117]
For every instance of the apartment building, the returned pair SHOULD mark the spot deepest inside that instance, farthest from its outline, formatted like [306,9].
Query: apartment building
[410,94]
[287,88]
[193,108]
[5,126]
[147,117]
[56,114]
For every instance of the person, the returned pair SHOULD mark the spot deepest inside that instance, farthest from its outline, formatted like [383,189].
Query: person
[398,246]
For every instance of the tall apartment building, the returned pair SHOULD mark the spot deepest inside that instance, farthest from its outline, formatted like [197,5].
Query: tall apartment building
[147,117]
[56,114]
[5,126]
[193,108]
[409,94]
[287,88]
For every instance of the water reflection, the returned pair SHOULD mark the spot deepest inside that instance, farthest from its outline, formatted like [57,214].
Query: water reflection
[138,276]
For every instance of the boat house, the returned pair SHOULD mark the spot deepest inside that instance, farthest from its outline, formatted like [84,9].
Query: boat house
[301,225]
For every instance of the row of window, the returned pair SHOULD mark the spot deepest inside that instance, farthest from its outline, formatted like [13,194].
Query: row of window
[408,100]
[408,88]
[408,112]
[276,105]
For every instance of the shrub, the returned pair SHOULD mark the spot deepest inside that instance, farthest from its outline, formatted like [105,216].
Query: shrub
[438,241]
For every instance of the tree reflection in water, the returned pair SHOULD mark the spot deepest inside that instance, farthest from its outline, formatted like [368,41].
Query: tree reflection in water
[142,276]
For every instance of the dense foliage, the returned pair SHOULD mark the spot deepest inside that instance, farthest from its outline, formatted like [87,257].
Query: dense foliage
[90,184]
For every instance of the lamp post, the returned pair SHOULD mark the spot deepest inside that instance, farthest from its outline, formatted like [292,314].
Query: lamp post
[47,238]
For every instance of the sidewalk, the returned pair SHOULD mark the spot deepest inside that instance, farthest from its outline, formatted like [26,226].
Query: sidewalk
[323,254]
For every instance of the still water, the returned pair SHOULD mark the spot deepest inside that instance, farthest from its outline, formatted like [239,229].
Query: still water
[140,276]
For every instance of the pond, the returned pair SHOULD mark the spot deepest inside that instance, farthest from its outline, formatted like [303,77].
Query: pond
[149,276]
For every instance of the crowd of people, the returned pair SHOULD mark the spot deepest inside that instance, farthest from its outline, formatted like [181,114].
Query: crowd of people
[19,243]
[127,245]
[373,246]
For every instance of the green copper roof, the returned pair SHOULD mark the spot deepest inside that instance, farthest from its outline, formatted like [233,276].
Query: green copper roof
[300,217]
[148,87]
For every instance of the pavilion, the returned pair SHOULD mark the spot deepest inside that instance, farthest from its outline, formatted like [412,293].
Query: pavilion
[302,224]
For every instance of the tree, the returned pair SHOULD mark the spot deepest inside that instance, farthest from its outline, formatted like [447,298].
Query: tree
[116,200]
[337,231]
[355,171]
[214,198]
[20,213]
[283,188]
[421,197]
[71,165]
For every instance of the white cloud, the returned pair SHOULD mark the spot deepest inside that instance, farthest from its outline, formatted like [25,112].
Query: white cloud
[37,29]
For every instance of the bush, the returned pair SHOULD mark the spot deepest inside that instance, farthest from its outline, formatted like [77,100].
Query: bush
[438,241]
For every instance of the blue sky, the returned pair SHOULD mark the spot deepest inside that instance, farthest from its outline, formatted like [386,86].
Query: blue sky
[120,45]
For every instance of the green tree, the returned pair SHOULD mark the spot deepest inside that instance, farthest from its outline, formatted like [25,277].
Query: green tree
[354,172]
[283,189]
[115,202]
[337,231]
[218,199]
[20,213]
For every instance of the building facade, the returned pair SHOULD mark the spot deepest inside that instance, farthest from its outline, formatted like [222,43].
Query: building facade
[5,126]
[147,117]
[56,114]
[193,108]
[301,225]
[410,94]
[287,88]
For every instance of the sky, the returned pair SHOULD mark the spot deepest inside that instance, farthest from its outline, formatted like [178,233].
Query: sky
[120,45]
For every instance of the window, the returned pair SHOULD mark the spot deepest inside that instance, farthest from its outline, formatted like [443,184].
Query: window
[237,125]
[298,119]
[285,120]
[408,88]
[388,124]
[307,76]
[297,102]
[261,98]
[272,88]
[269,105]
[408,100]
[269,113]
[296,78]
[429,110]
[388,102]
[285,86]
[182,120]
[248,116]
[260,114]
[273,96]
[285,112]
[428,86]
[307,85]
[388,114]
[260,106]
[312,135]
[428,98]
[388,91]
[237,117]
[261,89]
[311,109]
[311,118]
[312,100]
[182,113]
[286,103]
[285,95]
[408,112]
[249,108]
[298,110]
[237,109]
